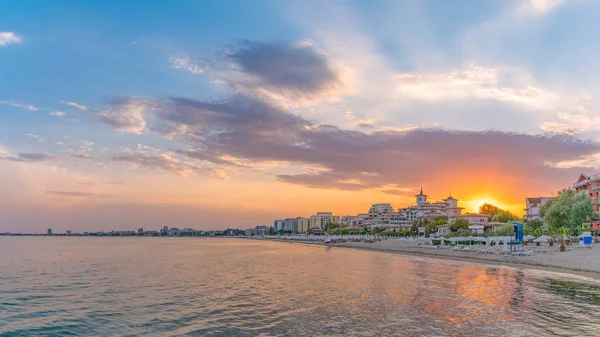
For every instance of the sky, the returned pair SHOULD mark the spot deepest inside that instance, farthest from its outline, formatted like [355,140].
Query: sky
[216,114]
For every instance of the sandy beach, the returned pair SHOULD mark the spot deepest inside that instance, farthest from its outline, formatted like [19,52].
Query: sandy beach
[579,261]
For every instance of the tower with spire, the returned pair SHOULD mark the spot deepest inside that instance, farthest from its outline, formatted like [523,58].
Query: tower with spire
[421,198]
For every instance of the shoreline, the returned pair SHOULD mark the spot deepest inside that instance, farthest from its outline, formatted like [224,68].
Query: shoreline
[491,260]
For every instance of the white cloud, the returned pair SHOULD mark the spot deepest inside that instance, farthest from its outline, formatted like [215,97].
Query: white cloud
[19,105]
[7,38]
[591,161]
[59,143]
[77,106]
[476,82]
[125,115]
[573,122]
[151,158]
[537,7]
[57,113]
[185,62]
[86,146]
[36,137]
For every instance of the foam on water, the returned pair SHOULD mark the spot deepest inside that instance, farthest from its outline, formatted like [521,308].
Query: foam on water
[224,287]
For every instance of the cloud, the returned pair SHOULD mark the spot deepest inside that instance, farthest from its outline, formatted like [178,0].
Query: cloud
[573,122]
[475,82]
[84,156]
[291,73]
[77,194]
[57,113]
[36,137]
[155,159]
[185,62]
[203,156]
[59,143]
[27,157]
[124,114]
[86,146]
[252,130]
[7,38]
[19,105]
[77,106]
[537,7]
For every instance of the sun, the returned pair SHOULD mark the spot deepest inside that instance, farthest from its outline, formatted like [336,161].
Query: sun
[475,204]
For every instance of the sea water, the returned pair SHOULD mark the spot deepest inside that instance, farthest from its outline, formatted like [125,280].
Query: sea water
[111,286]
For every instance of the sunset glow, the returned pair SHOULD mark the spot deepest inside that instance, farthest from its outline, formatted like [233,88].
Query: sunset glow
[112,117]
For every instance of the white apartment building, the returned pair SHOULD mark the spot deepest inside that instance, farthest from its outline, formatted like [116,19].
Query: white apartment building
[278,225]
[532,207]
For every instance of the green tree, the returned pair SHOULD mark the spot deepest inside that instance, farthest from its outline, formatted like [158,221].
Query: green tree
[330,226]
[489,209]
[535,224]
[440,220]
[569,209]
[504,216]
[459,224]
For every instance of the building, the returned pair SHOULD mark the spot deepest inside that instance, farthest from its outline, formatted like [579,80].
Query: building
[303,225]
[493,226]
[444,229]
[68,232]
[383,215]
[257,231]
[532,207]
[187,232]
[381,209]
[140,231]
[429,210]
[49,232]
[290,224]
[174,231]
[591,185]
[475,218]
[278,225]
[477,228]
[164,230]
[320,219]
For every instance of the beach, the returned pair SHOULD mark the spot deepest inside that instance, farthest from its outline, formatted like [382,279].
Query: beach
[579,261]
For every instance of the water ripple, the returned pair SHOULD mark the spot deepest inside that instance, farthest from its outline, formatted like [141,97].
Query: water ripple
[219,287]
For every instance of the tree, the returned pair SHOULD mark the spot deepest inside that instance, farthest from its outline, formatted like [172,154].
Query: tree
[489,209]
[440,220]
[569,209]
[504,216]
[535,224]
[459,224]
[330,226]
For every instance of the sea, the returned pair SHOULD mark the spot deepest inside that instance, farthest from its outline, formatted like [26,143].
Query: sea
[139,286]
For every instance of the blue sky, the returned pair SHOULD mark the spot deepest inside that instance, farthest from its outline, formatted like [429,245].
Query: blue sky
[135,105]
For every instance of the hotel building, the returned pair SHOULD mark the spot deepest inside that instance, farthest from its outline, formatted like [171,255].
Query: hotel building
[591,185]
[383,215]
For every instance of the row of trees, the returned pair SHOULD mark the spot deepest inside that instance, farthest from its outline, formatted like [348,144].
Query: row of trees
[497,214]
